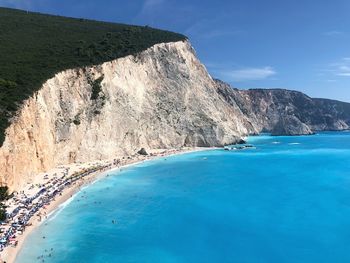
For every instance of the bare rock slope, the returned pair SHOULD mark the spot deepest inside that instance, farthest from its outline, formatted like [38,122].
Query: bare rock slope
[161,98]
[286,112]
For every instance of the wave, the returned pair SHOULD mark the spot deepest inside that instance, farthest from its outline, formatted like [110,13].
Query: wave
[53,214]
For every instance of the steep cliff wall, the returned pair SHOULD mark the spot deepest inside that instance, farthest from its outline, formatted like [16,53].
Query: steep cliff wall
[286,112]
[161,98]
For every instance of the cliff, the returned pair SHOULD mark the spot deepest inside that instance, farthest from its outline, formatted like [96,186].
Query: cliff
[65,104]
[160,98]
[286,112]
[34,47]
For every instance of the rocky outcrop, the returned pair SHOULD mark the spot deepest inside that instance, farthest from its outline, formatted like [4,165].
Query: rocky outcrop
[290,125]
[286,112]
[161,98]
[142,151]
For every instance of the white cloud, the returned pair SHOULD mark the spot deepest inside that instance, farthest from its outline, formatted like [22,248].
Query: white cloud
[220,33]
[344,74]
[333,33]
[149,6]
[152,3]
[248,74]
[341,68]
[207,29]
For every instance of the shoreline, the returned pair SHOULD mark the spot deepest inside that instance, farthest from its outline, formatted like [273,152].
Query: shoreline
[9,254]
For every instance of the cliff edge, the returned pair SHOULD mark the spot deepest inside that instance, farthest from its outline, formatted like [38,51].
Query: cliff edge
[66,104]
[161,98]
[287,112]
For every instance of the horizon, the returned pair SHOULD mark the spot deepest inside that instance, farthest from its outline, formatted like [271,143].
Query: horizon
[263,54]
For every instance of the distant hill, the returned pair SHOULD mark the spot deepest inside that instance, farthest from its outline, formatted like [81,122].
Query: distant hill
[287,112]
[33,47]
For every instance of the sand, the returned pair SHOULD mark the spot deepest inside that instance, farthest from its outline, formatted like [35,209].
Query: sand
[9,254]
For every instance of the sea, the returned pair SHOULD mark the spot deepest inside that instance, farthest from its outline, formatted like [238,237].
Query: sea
[286,200]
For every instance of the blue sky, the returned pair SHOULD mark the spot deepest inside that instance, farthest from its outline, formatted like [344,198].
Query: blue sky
[295,44]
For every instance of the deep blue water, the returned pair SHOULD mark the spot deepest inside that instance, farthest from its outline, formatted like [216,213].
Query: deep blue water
[286,201]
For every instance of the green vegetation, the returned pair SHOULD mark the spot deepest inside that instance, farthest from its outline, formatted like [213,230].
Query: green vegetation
[35,46]
[4,193]
[3,196]
[2,212]
[96,88]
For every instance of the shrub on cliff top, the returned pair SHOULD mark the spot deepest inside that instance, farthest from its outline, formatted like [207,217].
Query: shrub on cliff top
[96,88]
[34,47]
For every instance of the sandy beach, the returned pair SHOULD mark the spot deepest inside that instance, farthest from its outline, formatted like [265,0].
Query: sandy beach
[9,254]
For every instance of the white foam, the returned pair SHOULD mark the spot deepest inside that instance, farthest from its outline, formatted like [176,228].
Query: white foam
[53,214]
[294,143]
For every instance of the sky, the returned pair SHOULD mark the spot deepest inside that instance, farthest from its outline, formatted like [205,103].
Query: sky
[294,44]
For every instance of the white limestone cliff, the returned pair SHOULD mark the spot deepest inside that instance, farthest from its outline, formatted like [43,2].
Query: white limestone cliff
[161,98]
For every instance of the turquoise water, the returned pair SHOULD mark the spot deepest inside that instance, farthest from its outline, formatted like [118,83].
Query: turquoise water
[286,201]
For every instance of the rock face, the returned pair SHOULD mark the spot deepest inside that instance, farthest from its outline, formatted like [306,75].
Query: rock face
[286,112]
[142,151]
[161,98]
[290,125]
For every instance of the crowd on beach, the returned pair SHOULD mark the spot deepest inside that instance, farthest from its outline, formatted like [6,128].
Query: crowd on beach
[26,206]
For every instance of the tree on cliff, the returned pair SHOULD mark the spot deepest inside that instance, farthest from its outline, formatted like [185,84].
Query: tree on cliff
[3,196]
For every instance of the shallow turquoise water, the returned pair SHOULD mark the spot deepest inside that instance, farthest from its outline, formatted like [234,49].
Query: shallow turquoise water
[286,201]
